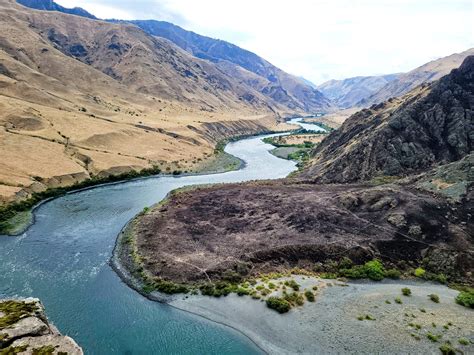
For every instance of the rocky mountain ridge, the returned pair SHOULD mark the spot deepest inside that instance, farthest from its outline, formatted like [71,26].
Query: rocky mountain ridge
[431,125]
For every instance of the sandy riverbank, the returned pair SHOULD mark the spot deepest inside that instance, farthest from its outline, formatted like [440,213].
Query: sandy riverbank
[331,325]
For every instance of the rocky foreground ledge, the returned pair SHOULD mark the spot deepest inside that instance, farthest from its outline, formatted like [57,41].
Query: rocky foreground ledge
[24,329]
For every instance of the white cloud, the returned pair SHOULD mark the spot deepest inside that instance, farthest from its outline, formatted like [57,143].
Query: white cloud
[318,39]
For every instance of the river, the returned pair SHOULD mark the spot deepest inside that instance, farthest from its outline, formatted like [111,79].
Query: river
[63,260]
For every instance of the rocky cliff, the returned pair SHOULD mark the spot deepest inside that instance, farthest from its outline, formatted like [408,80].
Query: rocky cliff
[24,329]
[431,125]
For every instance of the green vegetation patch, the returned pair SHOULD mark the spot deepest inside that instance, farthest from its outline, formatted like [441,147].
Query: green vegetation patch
[466,298]
[11,350]
[434,297]
[278,304]
[447,349]
[406,291]
[44,350]
[373,270]
[309,295]
[14,311]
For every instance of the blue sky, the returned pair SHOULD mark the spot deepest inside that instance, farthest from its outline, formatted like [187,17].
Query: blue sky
[317,39]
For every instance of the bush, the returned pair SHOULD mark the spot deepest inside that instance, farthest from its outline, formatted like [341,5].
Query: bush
[373,270]
[278,304]
[434,298]
[293,284]
[294,298]
[433,337]
[420,272]
[466,298]
[464,341]
[393,274]
[406,291]
[447,349]
[398,300]
[309,295]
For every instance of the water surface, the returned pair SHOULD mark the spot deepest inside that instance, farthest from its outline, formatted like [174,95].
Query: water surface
[63,260]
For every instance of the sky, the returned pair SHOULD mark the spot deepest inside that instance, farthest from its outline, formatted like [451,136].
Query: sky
[317,39]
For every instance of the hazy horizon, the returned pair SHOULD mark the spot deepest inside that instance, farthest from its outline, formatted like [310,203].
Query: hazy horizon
[318,40]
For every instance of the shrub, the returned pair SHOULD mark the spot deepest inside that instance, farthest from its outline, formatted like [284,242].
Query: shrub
[345,263]
[420,272]
[441,278]
[294,298]
[278,304]
[434,298]
[406,291]
[373,270]
[388,302]
[242,291]
[309,295]
[398,300]
[447,349]
[433,337]
[466,298]
[328,275]
[464,341]
[293,284]
[393,274]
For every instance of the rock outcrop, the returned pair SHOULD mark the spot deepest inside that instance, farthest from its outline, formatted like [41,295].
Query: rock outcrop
[25,329]
[430,126]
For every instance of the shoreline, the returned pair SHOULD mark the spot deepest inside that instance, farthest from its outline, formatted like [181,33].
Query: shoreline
[117,263]
[337,307]
[63,191]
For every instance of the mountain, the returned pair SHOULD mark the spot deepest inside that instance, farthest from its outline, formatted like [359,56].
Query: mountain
[271,81]
[431,125]
[280,87]
[349,92]
[82,98]
[405,82]
[50,5]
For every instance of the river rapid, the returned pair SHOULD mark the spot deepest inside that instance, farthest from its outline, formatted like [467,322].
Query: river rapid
[63,260]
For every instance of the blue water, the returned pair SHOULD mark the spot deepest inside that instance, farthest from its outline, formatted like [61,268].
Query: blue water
[63,260]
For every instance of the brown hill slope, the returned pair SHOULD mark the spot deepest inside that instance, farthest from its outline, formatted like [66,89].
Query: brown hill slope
[80,97]
[432,124]
[405,82]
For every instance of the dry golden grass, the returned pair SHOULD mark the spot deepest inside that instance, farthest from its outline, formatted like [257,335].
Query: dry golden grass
[63,120]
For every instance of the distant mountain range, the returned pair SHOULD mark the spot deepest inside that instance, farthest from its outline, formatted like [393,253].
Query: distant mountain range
[405,82]
[349,92]
[364,91]
[283,88]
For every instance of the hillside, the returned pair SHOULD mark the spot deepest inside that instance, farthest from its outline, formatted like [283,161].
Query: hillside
[279,88]
[81,98]
[428,72]
[271,81]
[349,92]
[431,125]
